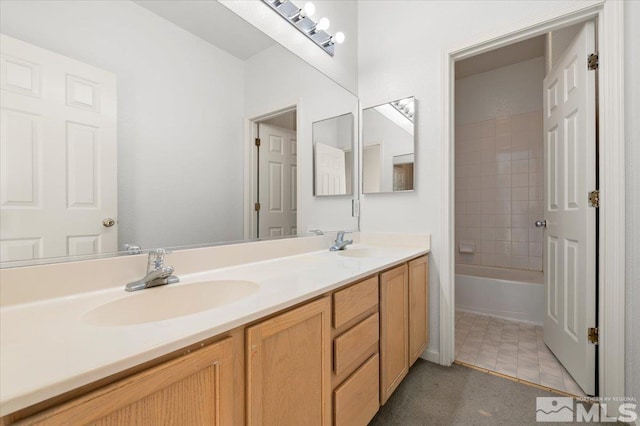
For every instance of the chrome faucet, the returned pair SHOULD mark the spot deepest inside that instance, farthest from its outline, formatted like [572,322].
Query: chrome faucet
[157,273]
[340,243]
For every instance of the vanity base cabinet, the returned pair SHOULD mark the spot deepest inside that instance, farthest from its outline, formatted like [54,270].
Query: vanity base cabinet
[197,388]
[394,329]
[289,367]
[418,299]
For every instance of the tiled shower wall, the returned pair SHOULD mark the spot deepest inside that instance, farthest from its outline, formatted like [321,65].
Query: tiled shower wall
[499,191]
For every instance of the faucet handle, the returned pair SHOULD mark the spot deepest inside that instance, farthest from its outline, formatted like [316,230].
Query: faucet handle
[156,258]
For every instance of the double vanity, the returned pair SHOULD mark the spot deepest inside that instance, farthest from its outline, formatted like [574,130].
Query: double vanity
[291,334]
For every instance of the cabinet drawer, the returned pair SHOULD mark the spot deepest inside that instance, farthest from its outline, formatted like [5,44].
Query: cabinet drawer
[354,301]
[352,345]
[357,399]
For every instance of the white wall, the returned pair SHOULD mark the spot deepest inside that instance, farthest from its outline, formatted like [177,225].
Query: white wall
[343,67]
[180,104]
[405,58]
[506,91]
[377,129]
[274,79]
[632,129]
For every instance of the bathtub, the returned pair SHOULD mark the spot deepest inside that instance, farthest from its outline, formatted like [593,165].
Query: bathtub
[505,293]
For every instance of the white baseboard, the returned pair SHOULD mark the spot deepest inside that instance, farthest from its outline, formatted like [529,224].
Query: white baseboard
[432,356]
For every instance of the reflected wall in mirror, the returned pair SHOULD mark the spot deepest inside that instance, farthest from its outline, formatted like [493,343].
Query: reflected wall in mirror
[333,156]
[124,122]
[388,151]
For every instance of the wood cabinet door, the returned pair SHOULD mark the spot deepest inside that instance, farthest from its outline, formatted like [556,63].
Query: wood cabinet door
[418,307]
[289,367]
[394,330]
[194,389]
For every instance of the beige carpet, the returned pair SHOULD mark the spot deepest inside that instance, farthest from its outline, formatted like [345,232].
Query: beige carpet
[457,395]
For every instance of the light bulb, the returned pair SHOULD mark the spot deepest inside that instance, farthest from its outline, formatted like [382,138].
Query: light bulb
[323,24]
[309,9]
[338,38]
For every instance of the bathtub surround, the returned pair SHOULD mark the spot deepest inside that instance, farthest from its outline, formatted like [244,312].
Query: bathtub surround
[499,166]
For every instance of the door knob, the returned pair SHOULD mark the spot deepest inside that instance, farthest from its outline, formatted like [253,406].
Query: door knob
[108,222]
[541,223]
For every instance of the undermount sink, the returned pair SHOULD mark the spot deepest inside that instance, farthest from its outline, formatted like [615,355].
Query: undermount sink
[362,252]
[170,301]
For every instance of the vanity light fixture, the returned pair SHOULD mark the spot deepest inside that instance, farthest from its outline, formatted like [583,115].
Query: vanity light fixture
[301,19]
[405,107]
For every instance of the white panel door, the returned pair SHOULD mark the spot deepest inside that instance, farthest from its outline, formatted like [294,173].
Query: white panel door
[569,248]
[371,169]
[58,154]
[278,182]
[330,172]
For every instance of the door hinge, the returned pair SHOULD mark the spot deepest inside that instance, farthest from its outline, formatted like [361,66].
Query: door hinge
[594,335]
[256,206]
[592,61]
[594,199]
[257,141]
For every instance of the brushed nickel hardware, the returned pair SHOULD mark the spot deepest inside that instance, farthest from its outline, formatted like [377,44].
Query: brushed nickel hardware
[157,273]
[132,249]
[340,243]
[594,335]
[108,222]
[594,198]
[541,223]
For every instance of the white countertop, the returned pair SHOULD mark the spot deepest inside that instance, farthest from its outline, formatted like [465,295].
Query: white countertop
[46,348]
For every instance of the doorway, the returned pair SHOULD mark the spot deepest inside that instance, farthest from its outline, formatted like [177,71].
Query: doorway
[275,177]
[525,147]
[611,249]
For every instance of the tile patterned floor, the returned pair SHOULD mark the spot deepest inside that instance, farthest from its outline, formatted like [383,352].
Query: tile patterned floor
[512,348]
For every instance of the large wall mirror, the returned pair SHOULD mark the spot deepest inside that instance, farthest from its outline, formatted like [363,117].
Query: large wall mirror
[133,122]
[333,156]
[388,147]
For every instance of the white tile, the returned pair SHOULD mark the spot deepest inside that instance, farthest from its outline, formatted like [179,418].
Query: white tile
[520,249]
[502,221]
[488,234]
[535,235]
[503,194]
[535,193]
[535,249]
[503,261]
[520,234]
[535,165]
[488,259]
[488,220]
[503,247]
[503,234]
[503,181]
[519,220]
[520,262]
[519,207]
[535,263]
[519,179]
[520,166]
[520,154]
[535,179]
[503,167]
[520,194]
[487,144]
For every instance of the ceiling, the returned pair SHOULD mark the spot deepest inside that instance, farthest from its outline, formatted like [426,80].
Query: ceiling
[508,55]
[214,23]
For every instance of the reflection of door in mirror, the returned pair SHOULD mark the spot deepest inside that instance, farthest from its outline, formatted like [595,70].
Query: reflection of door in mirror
[371,168]
[277,176]
[64,111]
[333,156]
[403,172]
